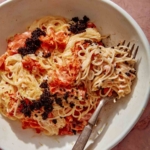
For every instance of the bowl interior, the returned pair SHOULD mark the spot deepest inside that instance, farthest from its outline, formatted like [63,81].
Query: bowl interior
[111,20]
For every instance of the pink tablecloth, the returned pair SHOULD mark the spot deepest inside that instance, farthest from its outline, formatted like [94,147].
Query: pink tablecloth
[139,137]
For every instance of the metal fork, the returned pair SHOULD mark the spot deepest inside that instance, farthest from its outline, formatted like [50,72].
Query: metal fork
[132,52]
[84,136]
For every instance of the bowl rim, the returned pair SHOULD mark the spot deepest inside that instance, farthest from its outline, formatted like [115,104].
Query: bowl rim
[147,49]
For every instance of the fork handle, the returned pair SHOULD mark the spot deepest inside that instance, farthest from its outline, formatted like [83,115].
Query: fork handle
[93,119]
[85,134]
[83,138]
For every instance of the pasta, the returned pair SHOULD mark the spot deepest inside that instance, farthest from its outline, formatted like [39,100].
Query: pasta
[53,75]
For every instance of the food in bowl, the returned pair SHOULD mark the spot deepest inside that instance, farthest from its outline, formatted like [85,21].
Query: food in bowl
[53,75]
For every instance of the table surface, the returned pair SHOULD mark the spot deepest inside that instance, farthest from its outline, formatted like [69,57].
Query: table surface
[138,138]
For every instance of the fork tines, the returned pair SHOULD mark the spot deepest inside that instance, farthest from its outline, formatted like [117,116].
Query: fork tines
[135,52]
[132,51]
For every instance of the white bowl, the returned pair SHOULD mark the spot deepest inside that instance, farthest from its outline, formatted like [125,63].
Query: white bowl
[17,15]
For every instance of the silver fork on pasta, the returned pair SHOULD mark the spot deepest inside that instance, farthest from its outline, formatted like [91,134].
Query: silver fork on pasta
[132,52]
[84,136]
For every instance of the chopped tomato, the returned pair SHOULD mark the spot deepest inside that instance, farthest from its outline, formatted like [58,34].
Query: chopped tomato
[17,42]
[11,113]
[74,124]
[76,48]
[12,101]
[54,40]
[50,115]
[87,116]
[82,102]
[77,113]
[61,40]
[91,25]
[67,130]
[69,118]
[32,65]
[105,90]
[65,76]
[48,43]
[2,62]
[30,123]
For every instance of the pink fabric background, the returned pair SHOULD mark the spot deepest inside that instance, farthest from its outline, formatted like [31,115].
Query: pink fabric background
[140,11]
[139,137]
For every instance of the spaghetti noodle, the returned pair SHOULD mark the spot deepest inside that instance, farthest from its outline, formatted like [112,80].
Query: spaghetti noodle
[53,76]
